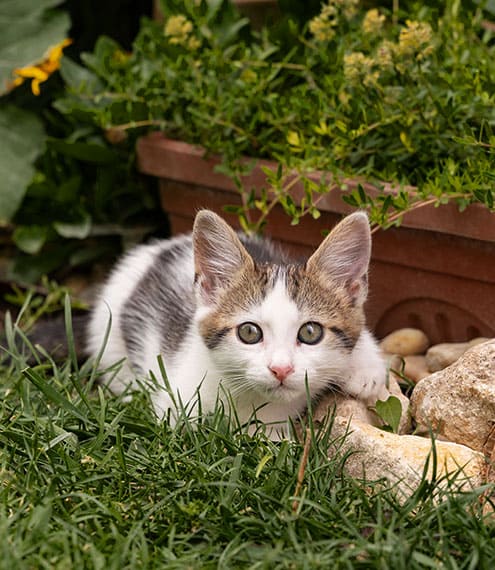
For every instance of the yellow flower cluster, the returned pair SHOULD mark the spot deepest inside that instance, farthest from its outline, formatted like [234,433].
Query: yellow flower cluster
[358,68]
[373,22]
[322,27]
[40,72]
[415,40]
[178,29]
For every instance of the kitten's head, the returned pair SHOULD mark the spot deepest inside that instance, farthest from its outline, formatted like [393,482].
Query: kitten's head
[270,326]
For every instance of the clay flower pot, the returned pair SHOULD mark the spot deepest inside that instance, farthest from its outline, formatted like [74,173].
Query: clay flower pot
[436,272]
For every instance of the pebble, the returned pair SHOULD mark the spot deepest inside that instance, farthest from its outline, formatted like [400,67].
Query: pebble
[405,342]
[442,355]
[415,368]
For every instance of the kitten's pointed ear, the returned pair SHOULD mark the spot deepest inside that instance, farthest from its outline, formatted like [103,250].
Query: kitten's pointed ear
[218,254]
[344,255]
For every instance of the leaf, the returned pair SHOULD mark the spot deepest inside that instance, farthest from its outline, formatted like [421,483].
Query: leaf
[77,230]
[390,411]
[30,239]
[293,138]
[27,29]
[22,136]
[79,78]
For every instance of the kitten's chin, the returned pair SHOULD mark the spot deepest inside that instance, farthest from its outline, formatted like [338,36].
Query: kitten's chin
[281,393]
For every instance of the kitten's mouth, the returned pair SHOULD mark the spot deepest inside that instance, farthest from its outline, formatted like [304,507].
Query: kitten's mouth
[281,390]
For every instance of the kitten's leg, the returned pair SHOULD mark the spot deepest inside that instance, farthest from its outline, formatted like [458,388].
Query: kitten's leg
[368,374]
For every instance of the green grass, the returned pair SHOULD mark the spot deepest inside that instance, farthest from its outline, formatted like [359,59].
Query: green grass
[88,481]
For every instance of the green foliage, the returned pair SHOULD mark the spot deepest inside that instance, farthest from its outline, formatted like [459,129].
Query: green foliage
[404,97]
[89,481]
[70,196]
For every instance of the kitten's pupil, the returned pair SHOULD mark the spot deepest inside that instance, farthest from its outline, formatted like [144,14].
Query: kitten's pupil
[310,333]
[249,333]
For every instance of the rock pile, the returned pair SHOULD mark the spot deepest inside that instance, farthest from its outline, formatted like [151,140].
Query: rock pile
[453,400]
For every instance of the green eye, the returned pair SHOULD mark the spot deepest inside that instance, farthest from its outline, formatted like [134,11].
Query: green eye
[310,333]
[249,333]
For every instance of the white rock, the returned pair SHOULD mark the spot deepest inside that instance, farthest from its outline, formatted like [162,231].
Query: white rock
[401,459]
[459,402]
[442,355]
[405,342]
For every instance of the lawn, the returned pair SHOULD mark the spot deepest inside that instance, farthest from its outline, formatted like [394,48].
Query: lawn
[90,481]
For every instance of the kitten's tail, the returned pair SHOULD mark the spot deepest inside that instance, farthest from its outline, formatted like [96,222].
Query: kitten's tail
[51,335]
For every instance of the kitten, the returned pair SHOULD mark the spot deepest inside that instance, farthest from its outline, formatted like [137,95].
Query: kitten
[234,318]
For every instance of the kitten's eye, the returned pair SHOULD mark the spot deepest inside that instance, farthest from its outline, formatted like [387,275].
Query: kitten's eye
[249,333]
[310,333]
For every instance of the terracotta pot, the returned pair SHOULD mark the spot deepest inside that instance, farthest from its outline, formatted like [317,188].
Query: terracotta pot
[436,272]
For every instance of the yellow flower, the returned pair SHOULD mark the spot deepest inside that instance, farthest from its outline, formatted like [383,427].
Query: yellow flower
[415,40]
[359,68]
[40,72]
[178,30]
[373,22]
[323,26]
[193,43]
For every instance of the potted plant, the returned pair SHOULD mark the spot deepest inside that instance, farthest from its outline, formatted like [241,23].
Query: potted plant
[297,126]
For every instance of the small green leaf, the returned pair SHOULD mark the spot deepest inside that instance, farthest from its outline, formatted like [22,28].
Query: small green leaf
[77,230]
[390,411]
[30,239]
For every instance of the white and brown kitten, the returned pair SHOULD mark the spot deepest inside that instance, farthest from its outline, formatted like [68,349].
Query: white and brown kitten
[234,318]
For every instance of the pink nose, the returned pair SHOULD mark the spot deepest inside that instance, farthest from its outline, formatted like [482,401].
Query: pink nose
[281,372]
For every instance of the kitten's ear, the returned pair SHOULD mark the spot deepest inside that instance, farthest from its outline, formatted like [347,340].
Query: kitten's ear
[218,254]
[344,255]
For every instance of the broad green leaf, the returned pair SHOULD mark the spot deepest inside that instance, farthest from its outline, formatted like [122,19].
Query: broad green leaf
[22,136]
[390,411]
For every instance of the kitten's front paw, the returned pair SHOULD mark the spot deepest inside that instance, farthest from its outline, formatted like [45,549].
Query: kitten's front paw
[368,373]
[369,384]
[374,388]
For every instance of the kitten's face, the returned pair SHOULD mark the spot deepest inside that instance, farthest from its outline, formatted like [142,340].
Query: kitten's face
[269,327]
[275,327]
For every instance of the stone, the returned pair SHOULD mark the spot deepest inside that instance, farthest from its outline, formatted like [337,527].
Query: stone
[442,355]
[401,459]
[415,368]
[458,403]
[405,342]
[350,408]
